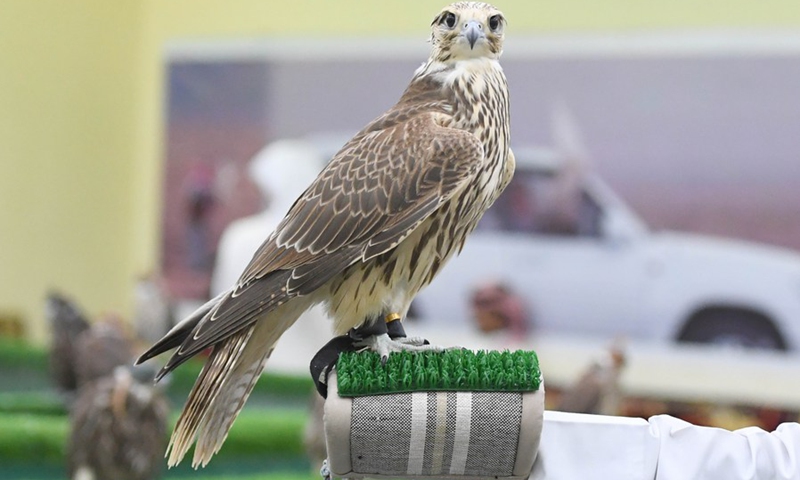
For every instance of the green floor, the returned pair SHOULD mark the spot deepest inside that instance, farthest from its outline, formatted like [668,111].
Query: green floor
[265,443]
[13,472]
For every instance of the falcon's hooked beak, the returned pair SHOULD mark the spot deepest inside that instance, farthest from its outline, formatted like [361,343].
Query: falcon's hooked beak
[473,30]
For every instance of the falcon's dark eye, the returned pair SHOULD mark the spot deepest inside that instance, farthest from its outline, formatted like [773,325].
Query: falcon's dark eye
[494,22]
[449,19]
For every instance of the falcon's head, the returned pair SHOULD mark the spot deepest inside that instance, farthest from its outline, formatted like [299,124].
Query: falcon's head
[466,30]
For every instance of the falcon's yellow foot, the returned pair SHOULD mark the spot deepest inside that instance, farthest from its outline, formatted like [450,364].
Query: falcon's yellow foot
[385,345]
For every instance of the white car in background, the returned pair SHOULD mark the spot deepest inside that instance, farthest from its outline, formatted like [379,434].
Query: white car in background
[587,265]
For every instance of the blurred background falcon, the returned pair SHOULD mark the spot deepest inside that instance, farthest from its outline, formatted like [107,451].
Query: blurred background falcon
[118,428]
[598,388]
[377,224]
[67,323]
[106,345]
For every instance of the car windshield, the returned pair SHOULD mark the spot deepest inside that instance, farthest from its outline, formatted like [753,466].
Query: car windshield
[542,203]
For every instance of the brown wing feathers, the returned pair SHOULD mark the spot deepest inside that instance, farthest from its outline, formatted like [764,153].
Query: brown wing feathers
[369,198]
[178,334]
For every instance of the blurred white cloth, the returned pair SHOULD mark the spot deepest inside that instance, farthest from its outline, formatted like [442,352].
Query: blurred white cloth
[689,451]
[282,170]
[662,448]
[237,245]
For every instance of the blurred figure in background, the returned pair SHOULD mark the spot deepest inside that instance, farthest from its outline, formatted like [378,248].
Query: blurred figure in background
[67,323]
[282,170]
[498,310]
[597,391]
[200,199]
[564,209]
[152,313]
[520,212]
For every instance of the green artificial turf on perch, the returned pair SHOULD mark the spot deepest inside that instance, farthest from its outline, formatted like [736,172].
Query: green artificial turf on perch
[361,373]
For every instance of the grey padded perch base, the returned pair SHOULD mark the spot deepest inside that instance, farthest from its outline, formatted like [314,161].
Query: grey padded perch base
[447,435]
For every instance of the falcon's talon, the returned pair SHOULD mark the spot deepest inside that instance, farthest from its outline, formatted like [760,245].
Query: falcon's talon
[385,345]
[414,341]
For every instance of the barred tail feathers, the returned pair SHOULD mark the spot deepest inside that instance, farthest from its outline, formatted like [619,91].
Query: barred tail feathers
[216,371]
[223,386]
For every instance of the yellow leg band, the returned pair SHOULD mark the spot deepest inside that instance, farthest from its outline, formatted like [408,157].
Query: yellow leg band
[392,317]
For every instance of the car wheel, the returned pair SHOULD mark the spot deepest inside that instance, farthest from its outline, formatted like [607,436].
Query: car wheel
[733,328]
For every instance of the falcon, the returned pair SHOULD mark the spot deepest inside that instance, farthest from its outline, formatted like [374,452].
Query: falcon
[67,322]
[118,428]
[376,226]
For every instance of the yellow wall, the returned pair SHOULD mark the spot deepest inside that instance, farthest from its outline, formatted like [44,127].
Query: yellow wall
[81,88]
[67,98]
[357,17]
